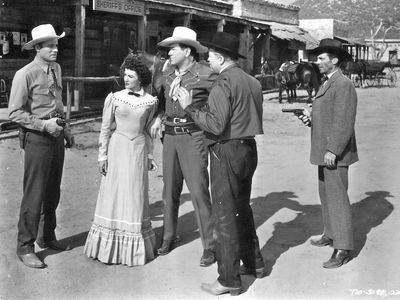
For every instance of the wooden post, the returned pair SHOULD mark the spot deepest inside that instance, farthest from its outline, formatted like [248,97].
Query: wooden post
[80,16]
[267,49]
[244,49]
[142,29]
[357,52]
[220,25]
[69,98]
[187,18]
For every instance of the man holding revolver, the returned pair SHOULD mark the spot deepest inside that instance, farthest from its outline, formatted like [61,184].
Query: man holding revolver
[333,149]
[36,105]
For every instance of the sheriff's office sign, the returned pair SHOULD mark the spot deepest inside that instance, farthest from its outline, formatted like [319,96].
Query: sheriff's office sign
[128,7]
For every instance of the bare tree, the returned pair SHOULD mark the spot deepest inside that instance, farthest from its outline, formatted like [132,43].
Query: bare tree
[381,26]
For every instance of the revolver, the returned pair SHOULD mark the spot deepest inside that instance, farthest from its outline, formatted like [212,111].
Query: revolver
[296,111]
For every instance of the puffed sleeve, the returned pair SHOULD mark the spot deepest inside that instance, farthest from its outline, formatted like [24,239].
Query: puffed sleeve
[105,132]
[150,119]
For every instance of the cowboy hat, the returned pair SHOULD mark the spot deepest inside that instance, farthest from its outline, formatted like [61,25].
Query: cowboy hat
[226,43]
[183,35]
[332,46]
[42,33]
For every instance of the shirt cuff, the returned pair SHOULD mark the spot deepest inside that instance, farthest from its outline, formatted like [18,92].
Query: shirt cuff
[39,124]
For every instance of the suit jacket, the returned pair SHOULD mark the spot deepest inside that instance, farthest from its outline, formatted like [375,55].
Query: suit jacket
[333,118]
[234,108]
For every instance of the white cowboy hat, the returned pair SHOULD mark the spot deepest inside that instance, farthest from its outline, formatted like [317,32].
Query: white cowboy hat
[42,33]
[183,35]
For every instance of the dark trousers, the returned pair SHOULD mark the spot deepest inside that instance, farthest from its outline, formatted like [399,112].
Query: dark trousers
[44,159]
[335,204]
[232,167]
[185,157]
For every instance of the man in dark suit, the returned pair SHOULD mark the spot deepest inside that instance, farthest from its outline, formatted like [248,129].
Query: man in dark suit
[231,118]
[333,149]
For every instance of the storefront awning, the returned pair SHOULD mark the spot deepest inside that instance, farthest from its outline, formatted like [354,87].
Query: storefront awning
[349,41]
[291,33]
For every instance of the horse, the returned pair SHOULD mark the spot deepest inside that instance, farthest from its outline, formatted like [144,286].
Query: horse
[270,66]
[293,75]
[283,81]
[156,63]
[352,69]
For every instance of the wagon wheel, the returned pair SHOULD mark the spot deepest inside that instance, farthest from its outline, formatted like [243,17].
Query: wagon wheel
[369,80]
[378,79]
[391,78]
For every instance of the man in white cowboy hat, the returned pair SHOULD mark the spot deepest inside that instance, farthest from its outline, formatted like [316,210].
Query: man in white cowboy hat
[333,150]
[185,155]
[36,105]
[231,119]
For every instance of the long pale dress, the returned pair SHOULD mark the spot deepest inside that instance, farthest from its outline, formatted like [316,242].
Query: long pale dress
[121,232]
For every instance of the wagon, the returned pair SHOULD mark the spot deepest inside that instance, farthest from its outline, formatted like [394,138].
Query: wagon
[378,73]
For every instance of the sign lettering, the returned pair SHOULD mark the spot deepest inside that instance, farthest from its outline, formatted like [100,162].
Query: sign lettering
[129,7]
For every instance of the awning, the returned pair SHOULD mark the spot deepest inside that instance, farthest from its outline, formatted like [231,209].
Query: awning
[291,33]
[202,12]
[349,41]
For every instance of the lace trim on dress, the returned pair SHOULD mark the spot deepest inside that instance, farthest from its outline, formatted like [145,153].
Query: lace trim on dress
[136,104]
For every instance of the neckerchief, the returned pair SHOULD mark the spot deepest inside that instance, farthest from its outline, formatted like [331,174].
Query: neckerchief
[176,83]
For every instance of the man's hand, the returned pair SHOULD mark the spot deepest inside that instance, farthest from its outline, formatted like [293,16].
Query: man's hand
[184,97]
[69,138]
[156,128]
[305,117]
[52,127]
[103,167]
[330,159]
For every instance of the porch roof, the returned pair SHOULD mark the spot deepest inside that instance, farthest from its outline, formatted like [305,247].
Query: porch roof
[290,33]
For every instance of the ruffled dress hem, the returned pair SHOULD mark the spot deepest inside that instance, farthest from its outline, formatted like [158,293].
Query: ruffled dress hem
[113,246]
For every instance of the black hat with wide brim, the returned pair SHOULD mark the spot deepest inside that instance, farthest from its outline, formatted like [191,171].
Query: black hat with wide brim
[332,46]
[226,43]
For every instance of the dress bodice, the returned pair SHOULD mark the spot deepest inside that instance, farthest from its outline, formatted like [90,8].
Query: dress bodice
[130,113]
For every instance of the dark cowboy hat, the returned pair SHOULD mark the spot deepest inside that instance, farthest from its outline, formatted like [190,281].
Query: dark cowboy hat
[332,46]
[226,43]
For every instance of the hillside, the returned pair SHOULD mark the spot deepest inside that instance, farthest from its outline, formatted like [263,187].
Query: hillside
[358,13]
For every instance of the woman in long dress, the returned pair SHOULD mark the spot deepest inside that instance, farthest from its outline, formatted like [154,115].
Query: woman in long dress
[121,231]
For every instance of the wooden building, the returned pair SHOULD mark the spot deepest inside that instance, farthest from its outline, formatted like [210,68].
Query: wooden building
[100,32]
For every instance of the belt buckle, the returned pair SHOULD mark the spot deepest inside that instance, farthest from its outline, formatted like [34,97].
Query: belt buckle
[180,130]
[178,120]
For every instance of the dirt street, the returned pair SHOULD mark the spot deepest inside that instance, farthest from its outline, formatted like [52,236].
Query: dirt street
[285,204]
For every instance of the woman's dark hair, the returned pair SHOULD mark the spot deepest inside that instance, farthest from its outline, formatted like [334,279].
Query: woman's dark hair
[143,72]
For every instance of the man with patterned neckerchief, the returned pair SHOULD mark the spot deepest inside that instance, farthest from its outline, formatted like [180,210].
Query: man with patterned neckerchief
[185,154]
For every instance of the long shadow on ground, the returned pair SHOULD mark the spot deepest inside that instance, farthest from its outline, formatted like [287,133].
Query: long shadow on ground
[367,214]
